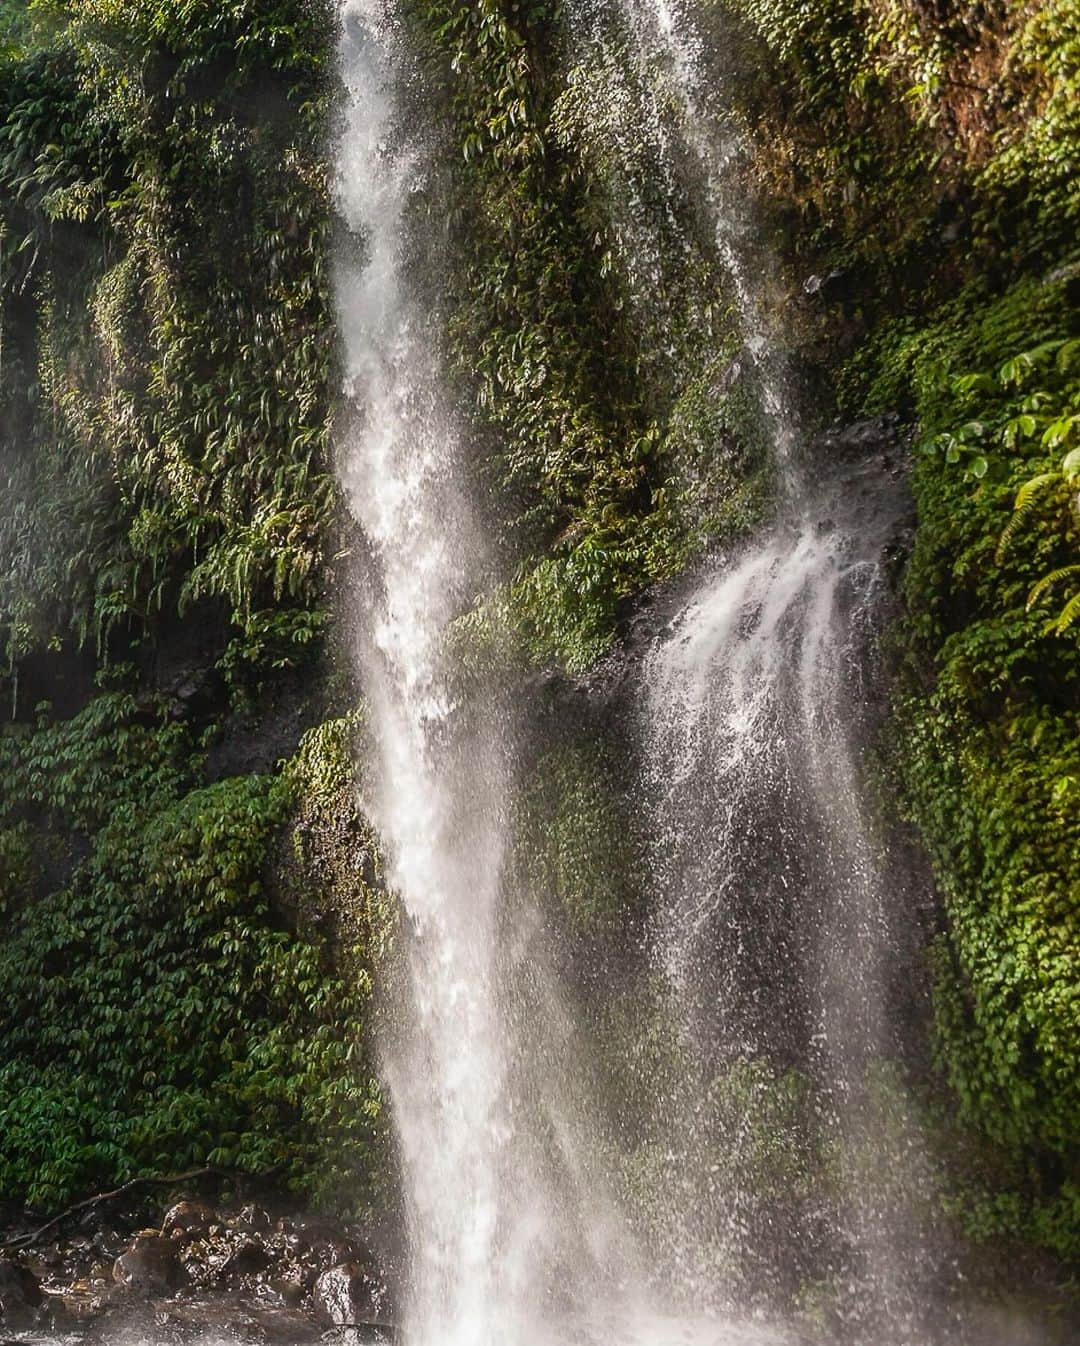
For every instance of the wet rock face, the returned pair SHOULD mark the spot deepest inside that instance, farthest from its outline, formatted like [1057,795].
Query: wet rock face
[20,1295]
[248,1258]
[252,1251]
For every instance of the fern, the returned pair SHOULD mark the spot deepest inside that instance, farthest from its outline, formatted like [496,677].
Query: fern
[1023,509]
[1068,614]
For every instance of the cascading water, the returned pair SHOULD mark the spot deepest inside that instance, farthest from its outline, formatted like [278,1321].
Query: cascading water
[772,925]
[772,920]
[662,34]
[436,798]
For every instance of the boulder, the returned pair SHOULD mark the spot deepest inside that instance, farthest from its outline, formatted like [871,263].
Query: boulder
[188,1220]
[290,1290]
[349,1294]
[150,1265]
[322,1240]
[55,1316]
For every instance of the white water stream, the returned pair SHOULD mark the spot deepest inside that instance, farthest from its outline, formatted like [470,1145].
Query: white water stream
[772,922]
[670,58]
[444,841]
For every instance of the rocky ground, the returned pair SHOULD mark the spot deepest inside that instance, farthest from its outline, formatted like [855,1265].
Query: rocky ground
[245,1274]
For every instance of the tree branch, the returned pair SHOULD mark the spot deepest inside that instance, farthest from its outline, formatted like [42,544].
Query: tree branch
[27,1240]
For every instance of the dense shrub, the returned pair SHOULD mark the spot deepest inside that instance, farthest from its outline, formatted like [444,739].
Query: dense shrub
[991,760]
[158,1012]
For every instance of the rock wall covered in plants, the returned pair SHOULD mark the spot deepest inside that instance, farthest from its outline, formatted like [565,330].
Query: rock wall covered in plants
[189,898]
[921,160]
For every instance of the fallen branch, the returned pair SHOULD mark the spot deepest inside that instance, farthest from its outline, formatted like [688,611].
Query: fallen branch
[168,1180]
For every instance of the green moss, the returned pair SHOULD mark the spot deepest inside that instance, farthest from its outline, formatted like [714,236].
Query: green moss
[579,843]
[330,872]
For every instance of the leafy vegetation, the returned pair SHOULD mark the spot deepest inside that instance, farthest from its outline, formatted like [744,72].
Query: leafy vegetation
[992,754]
[172,374]
[172,927]
[160,1013]
[165,349]
[594,458]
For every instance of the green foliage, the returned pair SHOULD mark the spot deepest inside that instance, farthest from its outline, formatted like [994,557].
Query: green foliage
[991,754]
[164,379]
[165,349]
[578,840]
[892,134]
[332,872]
[591,458]
[160,1013]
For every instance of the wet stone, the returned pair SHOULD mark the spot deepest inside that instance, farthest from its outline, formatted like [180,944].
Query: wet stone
[55,1316]
[290,1291]
[240,1275]
[188,1219]
[150,1265]
[349,1295]
[254,1217]
[247,1259]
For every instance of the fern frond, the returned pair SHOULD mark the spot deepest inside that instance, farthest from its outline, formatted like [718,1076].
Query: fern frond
[1011,529]
[1069,614]
[1054,577]
[1025,504]
[1033,486]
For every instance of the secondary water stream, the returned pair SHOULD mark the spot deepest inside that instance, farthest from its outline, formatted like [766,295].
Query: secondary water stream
[776,920]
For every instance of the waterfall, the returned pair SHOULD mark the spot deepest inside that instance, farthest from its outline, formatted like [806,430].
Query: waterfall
[514,1235]
[774,922]
[509,1226]
[773,925]
[663,61]
[770,922]
[437,787]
